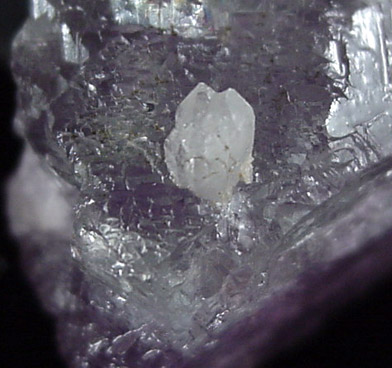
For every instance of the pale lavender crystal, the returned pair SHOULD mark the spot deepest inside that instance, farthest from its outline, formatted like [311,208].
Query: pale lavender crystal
[142,273]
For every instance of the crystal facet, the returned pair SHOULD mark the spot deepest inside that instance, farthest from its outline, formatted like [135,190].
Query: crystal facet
[128,152]
[210,148]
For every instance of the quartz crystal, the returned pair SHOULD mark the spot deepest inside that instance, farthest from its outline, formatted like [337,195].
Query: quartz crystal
[210,148]
[128,152]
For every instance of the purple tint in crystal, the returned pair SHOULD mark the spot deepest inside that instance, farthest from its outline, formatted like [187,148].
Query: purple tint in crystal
[142,273]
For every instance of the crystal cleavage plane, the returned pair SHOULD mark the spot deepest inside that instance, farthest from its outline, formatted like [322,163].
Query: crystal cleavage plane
[115,200]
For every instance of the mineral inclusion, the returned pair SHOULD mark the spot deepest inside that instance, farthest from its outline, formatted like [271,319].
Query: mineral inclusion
[210,148]
[139,266]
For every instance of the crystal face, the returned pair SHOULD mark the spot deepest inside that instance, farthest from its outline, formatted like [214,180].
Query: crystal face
[147,270]
[367,100]
[210,148]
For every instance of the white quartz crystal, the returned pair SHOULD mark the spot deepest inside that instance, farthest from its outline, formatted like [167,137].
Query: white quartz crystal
[210,148]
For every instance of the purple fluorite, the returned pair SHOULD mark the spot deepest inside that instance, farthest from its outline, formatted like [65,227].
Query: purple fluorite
[141,273]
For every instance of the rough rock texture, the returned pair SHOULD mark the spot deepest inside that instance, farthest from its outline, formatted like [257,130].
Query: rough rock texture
[142,273]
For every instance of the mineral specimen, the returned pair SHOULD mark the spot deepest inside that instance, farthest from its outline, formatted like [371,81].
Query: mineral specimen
[210,148]
[138,267]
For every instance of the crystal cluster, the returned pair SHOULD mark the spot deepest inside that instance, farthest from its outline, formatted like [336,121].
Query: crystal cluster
[145,269]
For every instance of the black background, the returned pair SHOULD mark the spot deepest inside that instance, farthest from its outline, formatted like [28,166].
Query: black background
[27,337]
[358,335]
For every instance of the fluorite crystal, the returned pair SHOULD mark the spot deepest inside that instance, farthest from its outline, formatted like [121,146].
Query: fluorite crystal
[125,243]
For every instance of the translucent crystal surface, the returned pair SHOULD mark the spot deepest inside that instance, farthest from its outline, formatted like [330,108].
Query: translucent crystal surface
[146,271]
[210,148]
[367,101]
